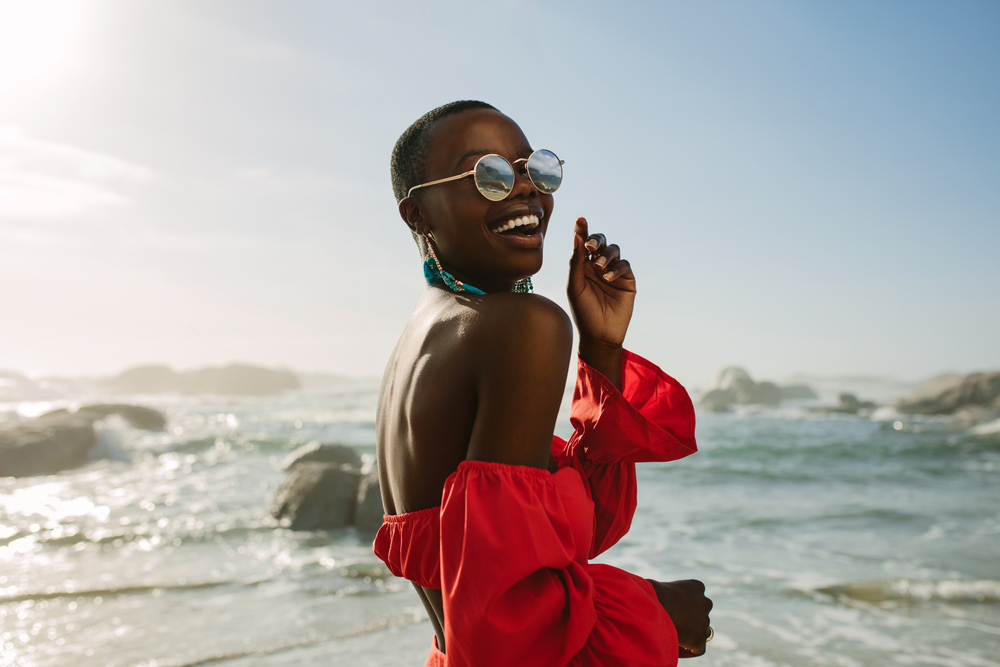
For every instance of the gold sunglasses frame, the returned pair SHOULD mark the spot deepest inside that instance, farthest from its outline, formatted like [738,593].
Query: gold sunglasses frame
[472,172]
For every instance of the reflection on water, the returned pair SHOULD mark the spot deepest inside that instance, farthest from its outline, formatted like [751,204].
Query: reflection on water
[824,540]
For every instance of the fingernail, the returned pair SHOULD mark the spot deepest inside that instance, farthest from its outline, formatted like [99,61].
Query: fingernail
[600,262]
[608,276]
[591,245]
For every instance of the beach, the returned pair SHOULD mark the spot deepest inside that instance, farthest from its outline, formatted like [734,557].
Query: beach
[823,539]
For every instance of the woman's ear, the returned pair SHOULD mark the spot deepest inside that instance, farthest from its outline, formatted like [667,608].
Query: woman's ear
[410,212]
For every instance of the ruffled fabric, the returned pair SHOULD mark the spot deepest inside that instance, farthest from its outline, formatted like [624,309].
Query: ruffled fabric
[517,587]
[651,419]
[509,545]
[408,545]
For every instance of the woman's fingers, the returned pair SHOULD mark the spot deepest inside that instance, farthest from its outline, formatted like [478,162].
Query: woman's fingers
[617,270]
[595,243]
[606,256]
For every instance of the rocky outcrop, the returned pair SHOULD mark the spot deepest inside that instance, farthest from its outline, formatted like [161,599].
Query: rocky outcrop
[735,386]
[317,452]
[325,488]
[317,496]
[847,404]
[949,394]
[45,445]
[794,392]
[60,440]
[137,416]
[232,380]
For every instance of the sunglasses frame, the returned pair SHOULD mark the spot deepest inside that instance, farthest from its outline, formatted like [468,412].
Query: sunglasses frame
[513,166]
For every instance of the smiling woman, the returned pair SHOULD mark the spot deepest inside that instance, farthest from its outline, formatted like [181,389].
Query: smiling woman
[491,517]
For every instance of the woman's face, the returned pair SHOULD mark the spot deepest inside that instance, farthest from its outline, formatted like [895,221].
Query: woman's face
[462,222]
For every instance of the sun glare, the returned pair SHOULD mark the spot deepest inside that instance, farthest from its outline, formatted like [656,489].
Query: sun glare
[35,36]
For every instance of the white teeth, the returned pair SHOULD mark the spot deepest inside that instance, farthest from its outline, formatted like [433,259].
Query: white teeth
[523,221]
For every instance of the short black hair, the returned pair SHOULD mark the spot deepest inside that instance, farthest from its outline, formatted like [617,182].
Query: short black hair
[410,153]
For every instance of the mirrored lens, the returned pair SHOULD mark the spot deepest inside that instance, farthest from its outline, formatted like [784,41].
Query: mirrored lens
[494,177]
[545,171]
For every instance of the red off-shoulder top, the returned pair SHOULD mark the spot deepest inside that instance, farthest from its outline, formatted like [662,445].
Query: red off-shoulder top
[509,545]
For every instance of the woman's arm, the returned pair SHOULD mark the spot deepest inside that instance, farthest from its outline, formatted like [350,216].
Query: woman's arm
[524,344]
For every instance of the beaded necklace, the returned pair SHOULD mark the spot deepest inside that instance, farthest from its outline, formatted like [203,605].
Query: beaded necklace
[433,271]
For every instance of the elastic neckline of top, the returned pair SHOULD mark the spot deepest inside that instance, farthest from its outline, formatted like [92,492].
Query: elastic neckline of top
[503,467]
[396,518]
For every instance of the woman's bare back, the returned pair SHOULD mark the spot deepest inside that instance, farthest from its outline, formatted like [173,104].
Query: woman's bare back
[430,397]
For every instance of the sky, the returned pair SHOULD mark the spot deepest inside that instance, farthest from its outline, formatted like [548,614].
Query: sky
[800,187]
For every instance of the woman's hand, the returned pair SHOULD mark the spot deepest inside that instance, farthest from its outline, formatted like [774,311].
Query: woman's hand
[601,293]
[687,606]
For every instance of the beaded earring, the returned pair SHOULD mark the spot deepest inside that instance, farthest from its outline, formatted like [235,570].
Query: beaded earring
[434,271]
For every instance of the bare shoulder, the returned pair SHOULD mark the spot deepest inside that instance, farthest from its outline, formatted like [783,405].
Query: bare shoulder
[521,315]
[525,343]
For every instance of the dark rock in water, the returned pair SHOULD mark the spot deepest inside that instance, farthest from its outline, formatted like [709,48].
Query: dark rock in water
[847,404]
[950,394]
[60,440]
[369,510]
[735,386]
[232,380]
[136,415]
[46,445]
[797,392]
[316,452]
[762,393]
[317,496]
[718,400]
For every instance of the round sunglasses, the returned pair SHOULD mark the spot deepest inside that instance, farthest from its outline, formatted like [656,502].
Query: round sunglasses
[495,175]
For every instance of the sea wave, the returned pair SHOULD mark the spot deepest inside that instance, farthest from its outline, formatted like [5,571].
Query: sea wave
[909,590]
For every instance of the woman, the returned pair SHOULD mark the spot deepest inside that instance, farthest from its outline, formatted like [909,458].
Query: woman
[491,517]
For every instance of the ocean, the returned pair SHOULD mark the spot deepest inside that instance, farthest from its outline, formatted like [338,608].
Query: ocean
[822,539]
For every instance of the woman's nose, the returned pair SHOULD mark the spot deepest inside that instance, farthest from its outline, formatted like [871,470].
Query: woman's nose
[522,184]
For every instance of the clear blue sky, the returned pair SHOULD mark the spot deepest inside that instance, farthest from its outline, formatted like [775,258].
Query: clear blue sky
[800,187]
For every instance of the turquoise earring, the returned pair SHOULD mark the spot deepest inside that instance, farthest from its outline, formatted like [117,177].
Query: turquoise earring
[433,271]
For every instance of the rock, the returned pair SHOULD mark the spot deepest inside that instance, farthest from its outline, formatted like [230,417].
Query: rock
[718,400]
[847,404]
[232,380]
[317,496]
[948,394]
[46,445]
[137,416]
[733,378]
[146,380]
[369,510]
[796,392]
[60,440]
[763,393]
[316,452]
[734,385]
[239,380]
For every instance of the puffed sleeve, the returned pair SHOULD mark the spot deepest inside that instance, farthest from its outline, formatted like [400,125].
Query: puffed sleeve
[650,419]
[516,584]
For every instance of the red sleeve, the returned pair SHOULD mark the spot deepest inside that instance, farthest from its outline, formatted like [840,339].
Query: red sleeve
[516,584]
[650,419]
